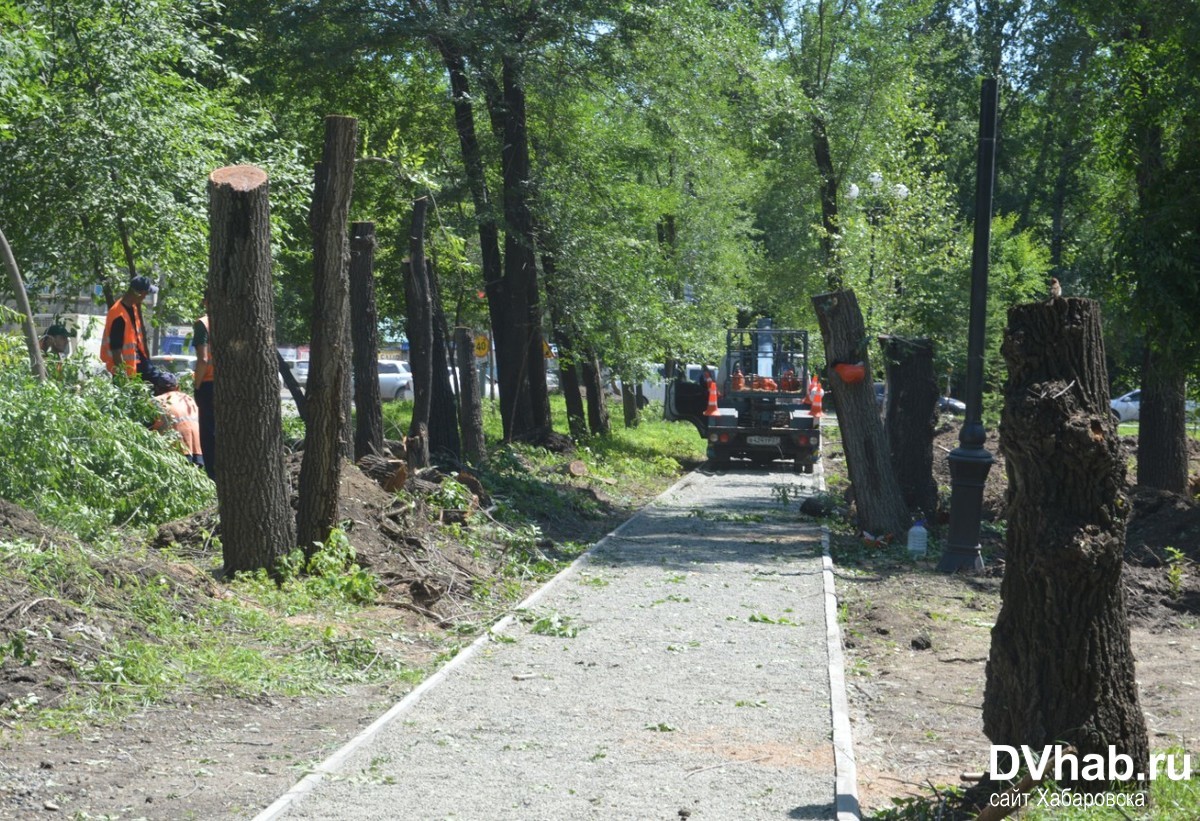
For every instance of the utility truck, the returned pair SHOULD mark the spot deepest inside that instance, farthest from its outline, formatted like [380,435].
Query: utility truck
[762,410]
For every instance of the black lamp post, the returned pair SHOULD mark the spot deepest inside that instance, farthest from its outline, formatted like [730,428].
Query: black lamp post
[970,461]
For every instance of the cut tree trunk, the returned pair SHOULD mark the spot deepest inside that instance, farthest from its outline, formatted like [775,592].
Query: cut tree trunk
[1162,454]
[470,407]
[877,497]
[911,419]
[364,331]
[419,326]
[1060,668]
[328,428]
[257,525]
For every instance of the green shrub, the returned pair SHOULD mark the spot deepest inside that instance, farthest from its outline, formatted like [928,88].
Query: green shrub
[77,452]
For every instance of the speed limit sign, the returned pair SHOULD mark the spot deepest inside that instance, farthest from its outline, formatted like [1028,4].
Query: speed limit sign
[481,345]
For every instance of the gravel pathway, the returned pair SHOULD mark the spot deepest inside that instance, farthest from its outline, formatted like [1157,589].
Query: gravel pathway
[679,670]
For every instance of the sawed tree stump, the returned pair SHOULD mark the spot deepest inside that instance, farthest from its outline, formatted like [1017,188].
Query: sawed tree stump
[1061,669]
[252,485]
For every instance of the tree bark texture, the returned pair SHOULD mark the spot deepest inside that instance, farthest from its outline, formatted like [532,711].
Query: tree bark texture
[328,426]
[253,491]
[1060,668]
[568,374]
[36,363]
[470,406]
[443,412]
[526,410]
[597,408]
[910,420]
[877,497]
[419,312]
[364,331]
[823,155]
[1162,454]
[629,406]
[486,215]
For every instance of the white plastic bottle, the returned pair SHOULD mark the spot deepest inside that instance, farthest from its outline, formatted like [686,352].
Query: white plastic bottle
[918,539]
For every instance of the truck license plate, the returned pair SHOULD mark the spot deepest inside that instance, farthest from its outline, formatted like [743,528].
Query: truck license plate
[768,441]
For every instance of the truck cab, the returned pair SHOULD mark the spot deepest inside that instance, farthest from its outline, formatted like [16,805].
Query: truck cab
[763,412]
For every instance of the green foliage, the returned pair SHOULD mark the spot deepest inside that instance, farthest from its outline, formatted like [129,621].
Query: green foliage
[79,454]
[330,573]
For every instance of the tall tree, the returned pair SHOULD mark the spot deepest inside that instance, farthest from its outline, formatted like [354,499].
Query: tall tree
[1152,135]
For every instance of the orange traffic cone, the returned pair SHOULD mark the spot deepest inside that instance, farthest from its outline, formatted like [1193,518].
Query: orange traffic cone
[712,398]
[815,394]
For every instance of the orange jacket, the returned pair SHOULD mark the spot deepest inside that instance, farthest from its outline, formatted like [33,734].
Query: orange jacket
[134,342]
[181,413]
[208,374]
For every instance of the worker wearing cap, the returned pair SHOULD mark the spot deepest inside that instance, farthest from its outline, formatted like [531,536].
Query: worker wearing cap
[56,340]
[204,390]
[124,338]
[180,413]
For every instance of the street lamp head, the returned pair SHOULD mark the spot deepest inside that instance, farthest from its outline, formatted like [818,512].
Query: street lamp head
[900,191]
[852,192]
[876,179]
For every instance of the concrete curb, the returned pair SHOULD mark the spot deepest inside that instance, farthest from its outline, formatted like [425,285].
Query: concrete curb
[844,765]
[845,768]
[330,765]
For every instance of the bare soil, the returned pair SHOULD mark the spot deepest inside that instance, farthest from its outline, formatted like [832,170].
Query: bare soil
[917,641]
[212,754]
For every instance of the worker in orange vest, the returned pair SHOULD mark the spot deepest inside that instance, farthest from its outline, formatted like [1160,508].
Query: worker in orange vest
[203,387]
[180,413]
[124,340]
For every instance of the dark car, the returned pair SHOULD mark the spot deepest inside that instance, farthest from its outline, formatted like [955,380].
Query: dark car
[952,406]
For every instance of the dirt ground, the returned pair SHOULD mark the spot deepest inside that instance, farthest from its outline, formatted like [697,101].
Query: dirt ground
[917,643]
[211,755]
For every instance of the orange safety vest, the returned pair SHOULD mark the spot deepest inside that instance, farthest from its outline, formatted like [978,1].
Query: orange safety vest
[208,377]
[135,338]
[181,413]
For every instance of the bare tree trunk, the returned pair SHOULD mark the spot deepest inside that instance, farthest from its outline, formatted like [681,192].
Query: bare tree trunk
[36,363]
[485,216]
[911,419]
[597,409]
[364,329]
[297,392]
[1162,454]
[629,402]
[252,484]
[523,368]
[877,497]
[420,333]
[1061,669]
[470,407]
[328,427]
[568,374]
[443,426]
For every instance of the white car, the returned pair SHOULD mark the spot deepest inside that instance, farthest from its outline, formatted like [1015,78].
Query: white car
[491,392]
[395,379]
[1128,407]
